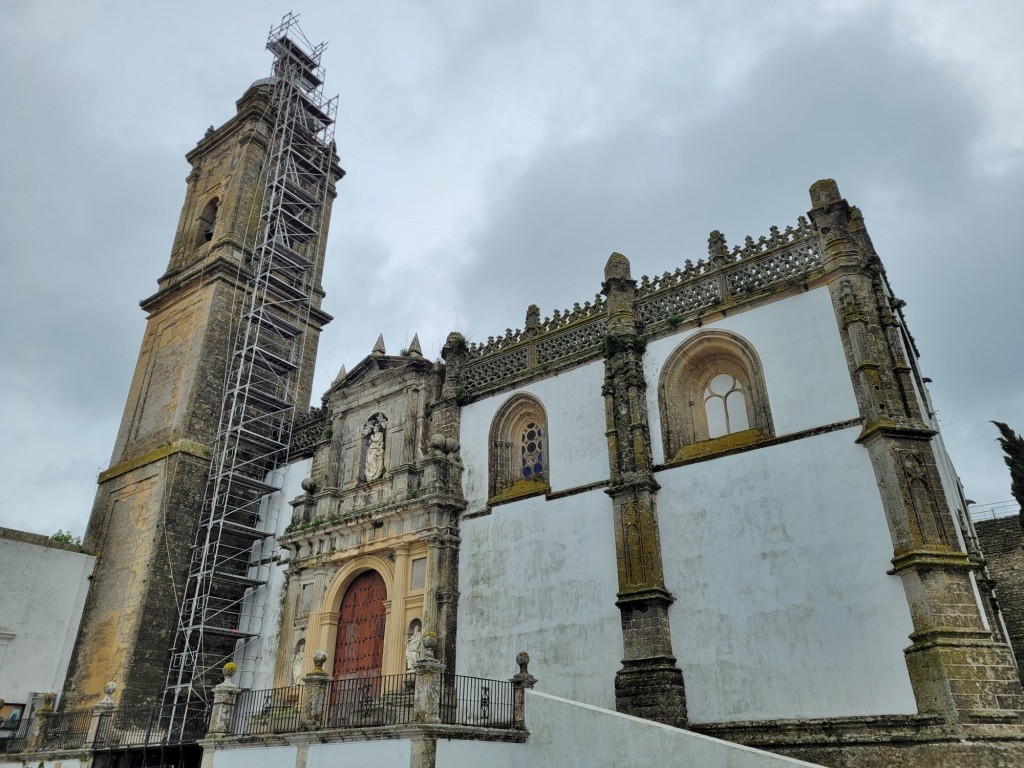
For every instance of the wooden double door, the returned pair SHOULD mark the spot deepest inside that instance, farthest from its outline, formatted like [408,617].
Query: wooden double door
[359,652]
[360,647]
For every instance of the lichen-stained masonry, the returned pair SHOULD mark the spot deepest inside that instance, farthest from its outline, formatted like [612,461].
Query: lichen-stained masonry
[713,498]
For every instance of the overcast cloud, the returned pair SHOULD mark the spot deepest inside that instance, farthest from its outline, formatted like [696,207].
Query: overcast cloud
[497,152]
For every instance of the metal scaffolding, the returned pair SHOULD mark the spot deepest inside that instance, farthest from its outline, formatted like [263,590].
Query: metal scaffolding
[231,557]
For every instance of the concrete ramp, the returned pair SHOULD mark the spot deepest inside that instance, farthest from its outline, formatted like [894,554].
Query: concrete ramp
[567,734]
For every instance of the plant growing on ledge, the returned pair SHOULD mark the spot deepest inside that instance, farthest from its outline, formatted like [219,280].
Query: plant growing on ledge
[65,537]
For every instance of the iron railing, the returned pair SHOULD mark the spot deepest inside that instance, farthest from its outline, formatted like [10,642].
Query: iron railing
[273,710]
[362,701]
[14,736]
[374,700]
[66,730]
[476,701]
[155,726]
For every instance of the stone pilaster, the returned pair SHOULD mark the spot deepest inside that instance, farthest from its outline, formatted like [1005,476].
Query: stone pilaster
[314,693]
[101,712]
[650,683]
[441,603]
[520,682]
[427,697]
[957,667]
[223,709]
[40,723]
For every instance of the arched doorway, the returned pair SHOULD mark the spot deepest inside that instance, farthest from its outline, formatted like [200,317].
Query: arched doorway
[359,651]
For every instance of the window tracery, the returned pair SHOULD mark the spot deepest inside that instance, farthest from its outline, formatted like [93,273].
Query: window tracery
[519,458]
[712,396]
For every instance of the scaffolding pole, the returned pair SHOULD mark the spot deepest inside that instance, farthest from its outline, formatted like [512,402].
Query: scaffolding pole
[229,563]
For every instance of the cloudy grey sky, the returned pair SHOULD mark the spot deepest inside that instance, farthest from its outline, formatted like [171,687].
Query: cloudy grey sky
[497,152]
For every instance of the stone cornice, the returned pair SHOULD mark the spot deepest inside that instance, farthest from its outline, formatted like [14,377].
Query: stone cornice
[188,447]
[931,558]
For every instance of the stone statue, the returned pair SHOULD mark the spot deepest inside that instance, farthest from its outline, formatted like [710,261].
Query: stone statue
[300,654]
[412,646]
[374,432]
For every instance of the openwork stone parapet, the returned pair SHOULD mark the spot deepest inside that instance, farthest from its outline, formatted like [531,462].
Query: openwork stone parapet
[726,278]
[308,431]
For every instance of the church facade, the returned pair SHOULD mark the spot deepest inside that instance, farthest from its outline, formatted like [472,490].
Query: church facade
[716,499]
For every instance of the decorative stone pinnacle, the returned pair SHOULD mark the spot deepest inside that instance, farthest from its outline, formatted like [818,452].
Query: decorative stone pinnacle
[617,266]
[824,192]
[414,346]
[523,678]
[429,644]
[319,657]
[340,376]
[378,348]
[523,660]
[229,670]
[108,689]
[718,249]
[532,317]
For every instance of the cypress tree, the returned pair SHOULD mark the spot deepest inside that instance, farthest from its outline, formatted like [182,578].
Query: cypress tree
[1013,446]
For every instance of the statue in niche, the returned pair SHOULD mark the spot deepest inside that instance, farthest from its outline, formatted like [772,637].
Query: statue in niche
[297,659]
[413,645]
[374,437]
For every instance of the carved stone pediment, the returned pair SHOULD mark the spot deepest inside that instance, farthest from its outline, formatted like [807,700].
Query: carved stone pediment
[372,367]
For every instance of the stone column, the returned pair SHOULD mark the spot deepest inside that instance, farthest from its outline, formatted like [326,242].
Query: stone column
[223,711]
[520,682]
[101,712]
[957,668]
[37,731]
[396,651]
[314,694]
[427,698]
[650,684]
[423,751]
[440,603]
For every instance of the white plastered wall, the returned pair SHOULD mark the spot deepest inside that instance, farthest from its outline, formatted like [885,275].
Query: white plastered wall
[777,556]
[256,659]
[801,354]
[540,577]
[577,449]
[777,559]
[44,590]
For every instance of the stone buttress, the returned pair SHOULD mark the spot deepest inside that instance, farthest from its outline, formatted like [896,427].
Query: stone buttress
[650,684]
[958,668]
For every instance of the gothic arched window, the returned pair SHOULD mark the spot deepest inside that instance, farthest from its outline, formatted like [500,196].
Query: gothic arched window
[712,396]
[519,457]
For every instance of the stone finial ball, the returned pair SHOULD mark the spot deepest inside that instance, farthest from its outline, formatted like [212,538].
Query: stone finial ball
[110,687]
[319,657]
[229,670]
[522,658]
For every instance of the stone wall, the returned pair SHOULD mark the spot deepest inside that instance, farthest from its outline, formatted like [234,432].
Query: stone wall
[1002,542]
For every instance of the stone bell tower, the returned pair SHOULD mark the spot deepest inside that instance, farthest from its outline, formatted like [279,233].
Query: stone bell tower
[151,500]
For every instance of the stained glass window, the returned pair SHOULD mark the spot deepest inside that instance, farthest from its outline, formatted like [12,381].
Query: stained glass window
[531,450]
